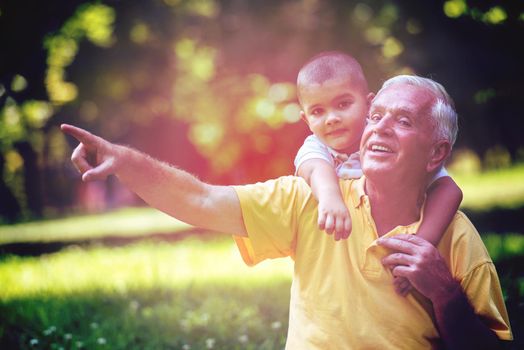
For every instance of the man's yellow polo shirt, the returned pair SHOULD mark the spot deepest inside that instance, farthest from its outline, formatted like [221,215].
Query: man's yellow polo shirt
[342,297]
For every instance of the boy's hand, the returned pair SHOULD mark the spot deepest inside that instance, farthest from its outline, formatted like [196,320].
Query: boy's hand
[333,217]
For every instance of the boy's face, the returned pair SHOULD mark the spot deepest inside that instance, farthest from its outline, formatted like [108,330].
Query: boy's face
[335,112]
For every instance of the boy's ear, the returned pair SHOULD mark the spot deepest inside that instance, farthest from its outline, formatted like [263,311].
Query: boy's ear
[439,153]
[303,117]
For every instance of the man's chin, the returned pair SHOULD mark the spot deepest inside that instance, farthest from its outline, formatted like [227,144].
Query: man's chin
[379,171]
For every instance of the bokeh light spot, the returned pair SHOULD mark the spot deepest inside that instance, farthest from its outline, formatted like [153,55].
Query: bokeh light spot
[291,113]
[392,48]
[455,8]
[362,13]
[37,112]
[483,96]
[13,161]
[376,35]
[280,92]
[413,26]
[139,34]
[19,83]
[495,15]
[88,111]
[264,108]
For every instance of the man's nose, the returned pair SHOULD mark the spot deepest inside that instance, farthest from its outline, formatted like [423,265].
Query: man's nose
[383,126]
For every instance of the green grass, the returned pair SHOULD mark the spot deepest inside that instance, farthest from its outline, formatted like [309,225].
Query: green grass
[191,293]
[126,222]
[500,188]
[148,295]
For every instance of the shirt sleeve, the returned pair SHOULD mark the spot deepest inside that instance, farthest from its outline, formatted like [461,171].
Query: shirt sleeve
[312,148]
[441,173]
[482,287]
[270,211]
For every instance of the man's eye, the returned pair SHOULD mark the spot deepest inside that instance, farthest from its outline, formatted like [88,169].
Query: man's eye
[374,117]
[404,122]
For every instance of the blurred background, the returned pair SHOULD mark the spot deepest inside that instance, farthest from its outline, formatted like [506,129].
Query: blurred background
[208,85]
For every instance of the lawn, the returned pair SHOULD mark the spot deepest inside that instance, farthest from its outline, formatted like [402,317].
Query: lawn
[191,294]
[138,279]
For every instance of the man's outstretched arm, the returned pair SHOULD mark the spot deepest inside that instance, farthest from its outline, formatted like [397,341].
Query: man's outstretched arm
[160,185]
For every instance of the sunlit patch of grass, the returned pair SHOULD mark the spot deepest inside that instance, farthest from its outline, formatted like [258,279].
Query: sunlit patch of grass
[142,265]
[149,295]
[124,222]
[500,188]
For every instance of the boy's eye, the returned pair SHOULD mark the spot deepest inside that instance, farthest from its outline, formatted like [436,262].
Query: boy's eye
[344,104]
[317,111]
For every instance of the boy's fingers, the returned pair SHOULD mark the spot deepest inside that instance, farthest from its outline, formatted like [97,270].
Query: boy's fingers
[81,135]
[330,224]
[347,227]
[321,221]
[339,229]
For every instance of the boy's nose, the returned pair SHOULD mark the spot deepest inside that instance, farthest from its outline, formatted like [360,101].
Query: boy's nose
[332,118]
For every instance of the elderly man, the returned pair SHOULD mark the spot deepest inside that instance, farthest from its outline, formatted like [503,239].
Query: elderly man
[342,296]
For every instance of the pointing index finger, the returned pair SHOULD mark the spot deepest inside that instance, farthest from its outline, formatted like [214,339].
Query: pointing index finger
[80,134]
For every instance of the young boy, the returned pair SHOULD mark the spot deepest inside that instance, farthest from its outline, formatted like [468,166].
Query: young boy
[335,100]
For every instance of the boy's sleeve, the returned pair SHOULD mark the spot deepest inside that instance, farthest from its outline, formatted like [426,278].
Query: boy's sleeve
[312,148]
[441,173]
[271,211]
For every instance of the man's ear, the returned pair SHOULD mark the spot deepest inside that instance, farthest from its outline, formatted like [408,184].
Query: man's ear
[440,151]
[369,98]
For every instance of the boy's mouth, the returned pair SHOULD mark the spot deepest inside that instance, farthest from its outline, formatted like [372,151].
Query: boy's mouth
[337,132]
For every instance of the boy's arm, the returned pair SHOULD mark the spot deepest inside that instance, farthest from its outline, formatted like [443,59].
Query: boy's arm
[333,215]
[162,186]
[443,200]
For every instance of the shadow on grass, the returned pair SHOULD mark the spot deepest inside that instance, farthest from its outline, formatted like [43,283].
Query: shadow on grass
[39,248]
[200,316]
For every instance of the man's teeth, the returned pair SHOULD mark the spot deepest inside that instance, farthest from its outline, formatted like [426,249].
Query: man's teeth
[380,148]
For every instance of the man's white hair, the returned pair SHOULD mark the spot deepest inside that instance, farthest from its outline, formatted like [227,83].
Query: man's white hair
[443,112]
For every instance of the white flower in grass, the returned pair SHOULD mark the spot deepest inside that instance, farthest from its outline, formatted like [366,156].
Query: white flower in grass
[186,347]
[243,338]
[134,305]
[68,336]
[101,341]
[276,325]
[33,342]
[210,343]
[50,330]
[93,325]
[79,344]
